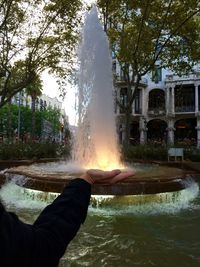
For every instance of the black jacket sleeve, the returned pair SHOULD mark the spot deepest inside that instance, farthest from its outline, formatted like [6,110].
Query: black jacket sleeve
[44,242]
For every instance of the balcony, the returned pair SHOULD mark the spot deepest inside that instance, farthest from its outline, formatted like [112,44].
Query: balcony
[190,77]
[119,79]
[184,109]
[156,112]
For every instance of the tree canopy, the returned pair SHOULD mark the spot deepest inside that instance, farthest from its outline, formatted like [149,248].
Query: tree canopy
[35,35]
[153,32]
[142,32]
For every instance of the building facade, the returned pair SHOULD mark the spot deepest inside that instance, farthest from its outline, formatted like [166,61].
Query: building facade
[42,103]
[166,109]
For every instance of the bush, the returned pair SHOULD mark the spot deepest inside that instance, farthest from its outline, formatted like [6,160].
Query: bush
[152,152]
[20,151]
[192,154]
[144,152]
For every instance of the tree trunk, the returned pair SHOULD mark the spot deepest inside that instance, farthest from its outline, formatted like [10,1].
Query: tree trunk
[127,127]
[33,117]
[128,112]
[10,119]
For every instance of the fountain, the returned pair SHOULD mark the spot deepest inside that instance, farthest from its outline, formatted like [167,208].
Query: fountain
[96,143]
[152,229]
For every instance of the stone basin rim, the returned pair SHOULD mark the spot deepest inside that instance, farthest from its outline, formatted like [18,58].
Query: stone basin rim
[133,186]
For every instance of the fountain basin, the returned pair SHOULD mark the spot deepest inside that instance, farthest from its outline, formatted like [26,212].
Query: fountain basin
[160,180]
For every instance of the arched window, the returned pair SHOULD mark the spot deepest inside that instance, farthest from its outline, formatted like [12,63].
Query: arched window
[157,130]
[186,130]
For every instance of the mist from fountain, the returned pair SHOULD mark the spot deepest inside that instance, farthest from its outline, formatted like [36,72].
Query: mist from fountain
[96,144]
[17,198]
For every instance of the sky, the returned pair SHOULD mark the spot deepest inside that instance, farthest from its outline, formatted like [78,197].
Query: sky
[50,88]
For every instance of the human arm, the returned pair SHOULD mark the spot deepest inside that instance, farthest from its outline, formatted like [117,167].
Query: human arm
[59,222]
[44,242]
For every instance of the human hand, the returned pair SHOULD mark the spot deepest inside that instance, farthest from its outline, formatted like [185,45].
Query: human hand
[94,176]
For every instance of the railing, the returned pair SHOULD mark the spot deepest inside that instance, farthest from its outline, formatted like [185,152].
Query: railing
[185,109]
[156,112]
[120,78]
[172,77]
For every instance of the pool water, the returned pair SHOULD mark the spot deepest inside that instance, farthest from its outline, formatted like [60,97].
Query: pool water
[148,234]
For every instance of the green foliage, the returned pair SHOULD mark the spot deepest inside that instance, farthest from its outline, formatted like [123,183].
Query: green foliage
[34,88]
[21,151]
[192,154]
[35,36]
[151,152]
[52,115]
[145,33]
[9,120]
[144,152]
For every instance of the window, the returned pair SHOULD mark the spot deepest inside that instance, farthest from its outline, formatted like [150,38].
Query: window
[185,98]
[156,99]
[123,99]
[41,104]
[157,74]
[45,104]
[114,66]
[199,97]
[137,102]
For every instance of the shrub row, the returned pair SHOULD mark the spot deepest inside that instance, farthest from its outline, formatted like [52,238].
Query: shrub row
[151,152]
[21,151]
[144,152]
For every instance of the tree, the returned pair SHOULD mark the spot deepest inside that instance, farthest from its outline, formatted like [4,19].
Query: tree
[11,109]
[34,89]
[145,33]
[53,116]
[35,35]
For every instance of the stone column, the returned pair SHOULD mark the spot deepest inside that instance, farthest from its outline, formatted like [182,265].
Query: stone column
[143,130]
[143,102]
[143,136]
[196,99]
[167,106]
[170,129]
[133,107]
[198,132]
[172,100]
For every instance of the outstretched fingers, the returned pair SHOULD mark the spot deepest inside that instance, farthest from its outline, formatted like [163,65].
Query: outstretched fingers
[122,176]
[110,174]
[95,176]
